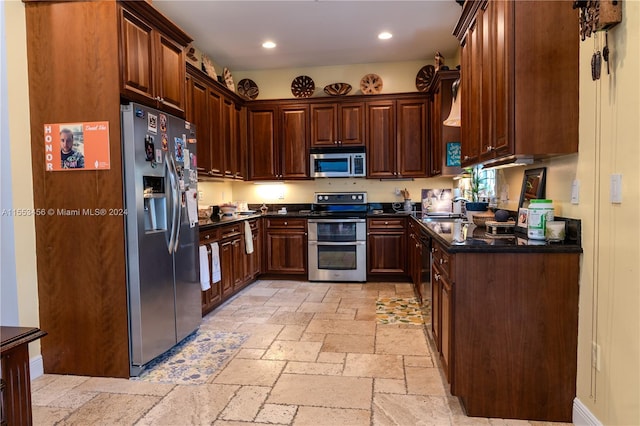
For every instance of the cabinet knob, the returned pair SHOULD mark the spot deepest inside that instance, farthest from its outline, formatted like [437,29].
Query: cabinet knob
[386,223]
[466,157]
[489,148]
[286,223]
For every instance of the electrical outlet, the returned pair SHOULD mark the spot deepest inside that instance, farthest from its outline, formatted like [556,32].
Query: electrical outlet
[200,195]
[595,355]
[397,191]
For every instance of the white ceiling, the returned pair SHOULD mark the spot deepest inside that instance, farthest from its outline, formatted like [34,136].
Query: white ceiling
[312,33]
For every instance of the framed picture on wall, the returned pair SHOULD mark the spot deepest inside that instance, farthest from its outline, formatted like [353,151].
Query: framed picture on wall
[453,154]
[523,219]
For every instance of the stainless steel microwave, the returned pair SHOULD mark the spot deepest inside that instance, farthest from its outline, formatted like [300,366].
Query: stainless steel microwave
[338,163]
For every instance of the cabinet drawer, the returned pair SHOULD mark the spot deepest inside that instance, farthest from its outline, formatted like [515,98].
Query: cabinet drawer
[254,224]
[387,223]
[442,259]
[210,235]
[230,231]
[288,223]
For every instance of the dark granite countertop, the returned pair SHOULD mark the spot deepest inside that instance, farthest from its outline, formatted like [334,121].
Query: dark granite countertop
[205,224]
[477,239]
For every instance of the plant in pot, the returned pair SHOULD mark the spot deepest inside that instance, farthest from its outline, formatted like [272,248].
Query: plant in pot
[476,182]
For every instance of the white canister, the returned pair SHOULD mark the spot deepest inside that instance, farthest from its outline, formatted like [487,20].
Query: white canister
[540,212]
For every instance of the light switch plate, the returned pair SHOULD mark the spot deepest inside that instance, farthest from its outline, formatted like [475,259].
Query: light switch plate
[575,192]
[615,192]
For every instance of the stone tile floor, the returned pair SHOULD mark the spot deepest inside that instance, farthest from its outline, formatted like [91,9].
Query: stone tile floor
[315,355]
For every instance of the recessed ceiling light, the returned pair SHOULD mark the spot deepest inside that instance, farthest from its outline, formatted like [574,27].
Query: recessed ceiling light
[268,45]
[385,35]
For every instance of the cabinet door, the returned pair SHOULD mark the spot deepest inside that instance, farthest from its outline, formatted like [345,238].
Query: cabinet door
[227,267]
[502,42]
[411,139]
[351,124]
[387,253]
[215,103]
[170,63]
[198,113]
[485,74]
[294,137]
[324,125]
[229,137]
[436,314]
[381,150]
[436,159]
[286,252]
[237,249]
[254,258]
[137,56]
[470,87]
[446,326]
[262,143]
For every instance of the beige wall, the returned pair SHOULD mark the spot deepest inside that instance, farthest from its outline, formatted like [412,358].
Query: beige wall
[20,143]
[609,292]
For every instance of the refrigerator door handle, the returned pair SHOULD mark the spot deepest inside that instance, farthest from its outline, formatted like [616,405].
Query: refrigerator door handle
[174,190]
[177,206]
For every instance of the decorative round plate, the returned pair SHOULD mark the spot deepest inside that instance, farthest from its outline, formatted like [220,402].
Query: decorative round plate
[302,86]
[228,79]
[248,89]
[371,84]
[208,68]
[424,77]
[337,89]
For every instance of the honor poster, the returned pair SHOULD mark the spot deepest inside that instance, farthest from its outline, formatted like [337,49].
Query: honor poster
[77,146]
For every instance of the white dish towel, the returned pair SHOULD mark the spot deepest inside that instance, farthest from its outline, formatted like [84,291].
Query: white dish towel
[205,281]
[215,262]
[248,238]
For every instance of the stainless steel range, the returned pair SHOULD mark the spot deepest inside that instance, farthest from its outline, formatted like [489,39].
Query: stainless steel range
[338,237]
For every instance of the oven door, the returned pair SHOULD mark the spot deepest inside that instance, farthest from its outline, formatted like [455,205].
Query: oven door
[337,230]
[337,261]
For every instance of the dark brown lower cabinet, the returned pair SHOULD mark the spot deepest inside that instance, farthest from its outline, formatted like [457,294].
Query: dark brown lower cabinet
[237,268]
[386,248]
[506,327]
[213,296]
[286,246]
[15,383]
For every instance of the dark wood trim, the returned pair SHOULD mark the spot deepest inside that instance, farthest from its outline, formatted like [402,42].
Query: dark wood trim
[467,18]
[158,20]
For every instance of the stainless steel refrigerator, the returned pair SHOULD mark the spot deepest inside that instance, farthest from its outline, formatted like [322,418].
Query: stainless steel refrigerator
[160,187]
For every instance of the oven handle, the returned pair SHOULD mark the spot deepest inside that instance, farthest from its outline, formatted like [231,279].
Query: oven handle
[336,220]
[328,243]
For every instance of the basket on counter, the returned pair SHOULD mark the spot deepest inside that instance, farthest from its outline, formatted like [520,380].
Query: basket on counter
[480,219]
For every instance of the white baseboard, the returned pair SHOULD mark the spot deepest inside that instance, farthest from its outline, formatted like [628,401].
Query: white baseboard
[582,416]
[36,367]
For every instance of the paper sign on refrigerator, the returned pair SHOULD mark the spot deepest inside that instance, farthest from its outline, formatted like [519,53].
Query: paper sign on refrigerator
[77,146]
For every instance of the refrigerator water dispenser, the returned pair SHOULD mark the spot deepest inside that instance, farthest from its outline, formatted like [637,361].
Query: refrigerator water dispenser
[155,204]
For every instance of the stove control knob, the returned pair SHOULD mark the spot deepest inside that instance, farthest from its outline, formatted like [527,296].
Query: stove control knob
[353,197]
[359,197]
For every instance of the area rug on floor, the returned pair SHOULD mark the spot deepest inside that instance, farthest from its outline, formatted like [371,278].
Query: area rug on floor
[396,310]
[195,359]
